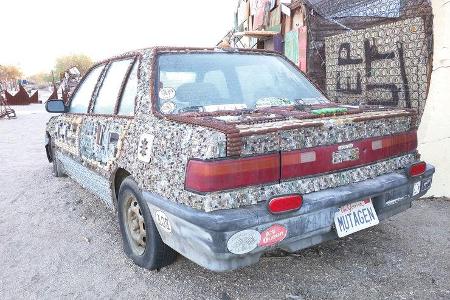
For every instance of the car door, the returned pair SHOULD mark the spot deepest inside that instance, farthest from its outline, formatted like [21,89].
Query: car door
[102,131]
[67,127]
[91,133]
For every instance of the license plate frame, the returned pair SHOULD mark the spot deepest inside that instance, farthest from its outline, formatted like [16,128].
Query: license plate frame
[354,217]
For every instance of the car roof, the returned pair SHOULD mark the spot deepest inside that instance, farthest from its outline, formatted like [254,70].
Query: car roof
[157,49]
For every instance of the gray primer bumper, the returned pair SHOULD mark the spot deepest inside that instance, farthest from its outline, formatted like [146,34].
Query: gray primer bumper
[202,237]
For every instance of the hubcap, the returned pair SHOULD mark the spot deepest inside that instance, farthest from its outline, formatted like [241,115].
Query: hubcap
[136,225]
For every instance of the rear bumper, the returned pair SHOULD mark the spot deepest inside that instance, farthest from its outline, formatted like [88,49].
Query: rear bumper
[202,237]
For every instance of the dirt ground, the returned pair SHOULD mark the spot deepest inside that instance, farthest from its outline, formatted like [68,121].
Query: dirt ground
[59,241]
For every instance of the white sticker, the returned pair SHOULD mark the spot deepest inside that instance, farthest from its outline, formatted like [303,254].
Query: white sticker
[145,147]
[167,93]
[222,107]
[163,221]
[344,147]
[167,107]
[243,241]
[416,188]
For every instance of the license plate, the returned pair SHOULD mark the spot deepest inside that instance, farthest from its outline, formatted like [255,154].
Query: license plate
[354,217]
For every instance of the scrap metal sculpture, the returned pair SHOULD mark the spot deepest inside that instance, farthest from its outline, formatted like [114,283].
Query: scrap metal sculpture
[22,97]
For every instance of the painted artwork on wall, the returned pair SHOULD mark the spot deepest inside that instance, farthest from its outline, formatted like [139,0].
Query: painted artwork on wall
[291,46]
[243,11]
[275,20]
[261,9]
[295,43]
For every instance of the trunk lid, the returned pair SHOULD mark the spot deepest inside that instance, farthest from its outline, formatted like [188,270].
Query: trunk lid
[284,144]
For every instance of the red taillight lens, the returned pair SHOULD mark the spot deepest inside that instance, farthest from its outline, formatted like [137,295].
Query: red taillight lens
[417,169]
[313,161]
[285,204]
[213,176]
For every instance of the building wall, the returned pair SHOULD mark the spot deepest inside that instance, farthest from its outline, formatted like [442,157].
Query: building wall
[434,131]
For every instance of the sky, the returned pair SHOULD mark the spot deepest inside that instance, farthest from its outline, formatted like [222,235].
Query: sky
[34,33]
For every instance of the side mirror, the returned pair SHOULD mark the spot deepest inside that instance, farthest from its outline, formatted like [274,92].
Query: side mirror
[55,106]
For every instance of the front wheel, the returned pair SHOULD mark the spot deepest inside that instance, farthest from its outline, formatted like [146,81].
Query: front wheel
[141,239]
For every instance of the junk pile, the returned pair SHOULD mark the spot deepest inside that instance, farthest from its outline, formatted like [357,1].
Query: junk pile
[69,81]
[358,52]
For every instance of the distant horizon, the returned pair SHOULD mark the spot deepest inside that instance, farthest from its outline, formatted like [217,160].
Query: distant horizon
[100,33]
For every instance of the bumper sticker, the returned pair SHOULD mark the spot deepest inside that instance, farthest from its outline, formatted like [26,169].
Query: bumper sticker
[273,235]
[163,221]
[243,241]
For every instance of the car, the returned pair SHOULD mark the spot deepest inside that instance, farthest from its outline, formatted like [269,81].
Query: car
[224,154]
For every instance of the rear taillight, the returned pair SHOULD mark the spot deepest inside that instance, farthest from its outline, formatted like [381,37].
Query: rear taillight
[319,160]
[212,176]
[417,169]
[285,204]
[204,176]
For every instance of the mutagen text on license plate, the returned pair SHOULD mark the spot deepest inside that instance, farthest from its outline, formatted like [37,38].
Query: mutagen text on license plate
[354,217]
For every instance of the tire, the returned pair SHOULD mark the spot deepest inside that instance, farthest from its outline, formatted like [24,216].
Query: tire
[57,168]
[141,240]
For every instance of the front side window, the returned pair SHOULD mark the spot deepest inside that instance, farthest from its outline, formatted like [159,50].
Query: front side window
[205,82]
[80,101]
[109,91]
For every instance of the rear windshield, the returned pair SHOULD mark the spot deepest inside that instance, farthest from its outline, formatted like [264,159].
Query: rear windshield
[210,82]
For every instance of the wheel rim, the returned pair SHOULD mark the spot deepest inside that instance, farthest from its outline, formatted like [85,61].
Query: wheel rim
[135,225]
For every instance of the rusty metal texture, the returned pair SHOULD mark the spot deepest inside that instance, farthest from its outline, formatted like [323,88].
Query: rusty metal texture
[22,97]
[54,94]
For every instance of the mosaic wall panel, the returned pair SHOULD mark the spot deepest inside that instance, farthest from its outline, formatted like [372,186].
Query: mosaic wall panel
[384,65]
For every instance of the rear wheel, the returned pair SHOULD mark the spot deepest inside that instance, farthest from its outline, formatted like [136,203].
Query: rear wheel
[141,239]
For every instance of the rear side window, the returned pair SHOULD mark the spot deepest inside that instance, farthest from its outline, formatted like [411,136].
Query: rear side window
[109,91]
[82,97]
[127,102]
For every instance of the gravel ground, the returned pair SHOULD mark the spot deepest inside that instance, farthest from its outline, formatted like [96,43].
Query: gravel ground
[59,241]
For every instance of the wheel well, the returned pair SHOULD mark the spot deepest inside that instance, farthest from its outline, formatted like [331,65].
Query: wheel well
[120,175]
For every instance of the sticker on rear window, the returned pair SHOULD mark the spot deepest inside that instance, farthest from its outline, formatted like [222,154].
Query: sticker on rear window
[167,93]
[167,107]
